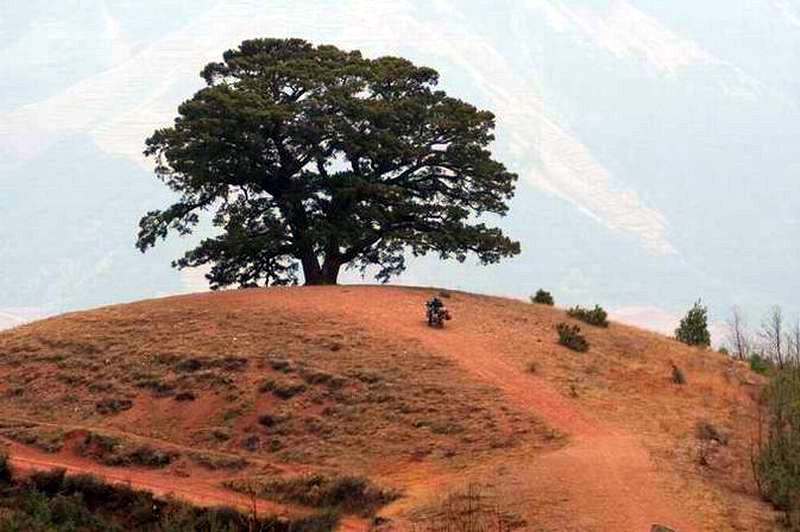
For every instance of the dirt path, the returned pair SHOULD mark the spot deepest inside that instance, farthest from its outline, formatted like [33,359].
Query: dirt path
[605,474]
[195,490]
[603,479]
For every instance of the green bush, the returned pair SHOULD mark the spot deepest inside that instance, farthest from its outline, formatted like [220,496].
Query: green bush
[693,329]
[49,500]
[570,336]
[597,316]
[760,364]
[777,464]
[542,298]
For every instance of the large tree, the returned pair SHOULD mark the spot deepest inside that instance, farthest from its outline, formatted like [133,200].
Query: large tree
[319,156]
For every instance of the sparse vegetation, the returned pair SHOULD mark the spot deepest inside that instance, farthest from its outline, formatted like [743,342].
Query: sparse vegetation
[596,316]
[52,500]
[693,329]
[114,451]
[351,494]
[185,396]
[49,440]
[570,336]
[113,406]
[214,461]
[760,364]
[677,375]
[706,431]
[468,509]
[283,389]
[776,462]
[542,297]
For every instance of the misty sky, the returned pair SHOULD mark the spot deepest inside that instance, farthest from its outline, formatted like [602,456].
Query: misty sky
[655,141]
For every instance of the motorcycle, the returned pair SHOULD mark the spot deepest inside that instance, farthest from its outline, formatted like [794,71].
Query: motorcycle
[437,316]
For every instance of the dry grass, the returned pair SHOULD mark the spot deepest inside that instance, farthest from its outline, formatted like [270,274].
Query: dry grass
[366,399]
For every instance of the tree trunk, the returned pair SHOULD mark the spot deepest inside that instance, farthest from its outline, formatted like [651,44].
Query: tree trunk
[316,275]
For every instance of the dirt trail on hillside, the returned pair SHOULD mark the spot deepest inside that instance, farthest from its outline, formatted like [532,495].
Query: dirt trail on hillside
[197,491]
[606,475]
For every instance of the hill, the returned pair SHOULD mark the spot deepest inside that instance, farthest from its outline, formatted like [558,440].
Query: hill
[342,397]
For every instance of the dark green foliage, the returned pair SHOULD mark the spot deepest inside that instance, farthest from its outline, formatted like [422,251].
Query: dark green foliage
[320,158]
[760,364]
[542,297]
[677,375]
[693,329]
[570,336]
[597,316]
[777,464]
[345,493]
[52,501]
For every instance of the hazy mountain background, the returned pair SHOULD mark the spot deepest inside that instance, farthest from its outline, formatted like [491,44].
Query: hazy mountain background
[656,142]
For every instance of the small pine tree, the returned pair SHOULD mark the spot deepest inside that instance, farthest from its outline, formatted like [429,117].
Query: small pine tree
[693,329]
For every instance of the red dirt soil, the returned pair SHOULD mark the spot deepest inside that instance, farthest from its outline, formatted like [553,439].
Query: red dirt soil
[609,476]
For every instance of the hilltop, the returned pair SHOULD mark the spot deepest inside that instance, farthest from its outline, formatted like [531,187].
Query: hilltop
[342,396]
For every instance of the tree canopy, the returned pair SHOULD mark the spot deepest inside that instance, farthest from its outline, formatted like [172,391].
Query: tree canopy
[314,156]
[693,329]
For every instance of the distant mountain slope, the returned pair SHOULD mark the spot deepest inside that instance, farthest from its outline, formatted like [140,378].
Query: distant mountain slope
[655,141]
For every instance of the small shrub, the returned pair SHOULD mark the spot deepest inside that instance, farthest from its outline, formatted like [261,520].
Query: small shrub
[471,508]
[267,420]
[705,431]
[113,406]
[47,440]
[48,482]
[189,365]
[159,388]
[215,462]
[314,376]
[532,367]
[98,387]
[597,316]
[185,396]
[346,493]
[142,455]
[281,388]
[542,297]
[280,364]
[231,363]
[251,443]
[677,375]
[570,336]
[760,364]
[693,329]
